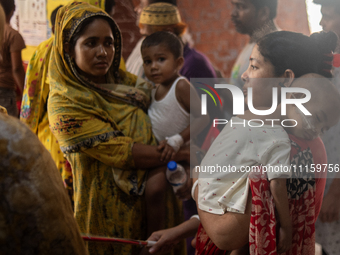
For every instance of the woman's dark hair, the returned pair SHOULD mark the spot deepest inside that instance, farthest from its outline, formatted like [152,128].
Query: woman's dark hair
[8,6]
[167,39]
[300,53]
[54,15]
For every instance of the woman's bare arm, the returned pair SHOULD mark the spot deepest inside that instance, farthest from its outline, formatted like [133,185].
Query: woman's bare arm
[147,156]
[229,231]
[167,238]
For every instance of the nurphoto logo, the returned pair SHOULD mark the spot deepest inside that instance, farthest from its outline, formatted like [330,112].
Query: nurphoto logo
[239,100]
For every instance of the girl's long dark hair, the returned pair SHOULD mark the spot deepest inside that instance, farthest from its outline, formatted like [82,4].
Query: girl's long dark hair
[300,53]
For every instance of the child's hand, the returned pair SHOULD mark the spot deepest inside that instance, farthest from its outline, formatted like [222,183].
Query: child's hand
[285,239]
[166,239]
[168,153]
[161,145]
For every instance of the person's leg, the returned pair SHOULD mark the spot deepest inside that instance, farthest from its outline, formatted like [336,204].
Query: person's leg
[155,189]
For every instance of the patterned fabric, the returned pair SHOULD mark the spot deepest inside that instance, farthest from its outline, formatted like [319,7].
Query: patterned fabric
[262,231]
[96,126]
[204,245]
[97,3]
[160,14]
[303,191]
[238,147]
[301,195]
[81,112]
[34,103]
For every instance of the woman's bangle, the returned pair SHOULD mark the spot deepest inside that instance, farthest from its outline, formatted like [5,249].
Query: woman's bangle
[193,190]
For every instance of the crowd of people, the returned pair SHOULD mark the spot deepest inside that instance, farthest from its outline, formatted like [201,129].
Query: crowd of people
[109,130]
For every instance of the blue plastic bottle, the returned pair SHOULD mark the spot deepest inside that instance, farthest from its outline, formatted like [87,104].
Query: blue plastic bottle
[176,175]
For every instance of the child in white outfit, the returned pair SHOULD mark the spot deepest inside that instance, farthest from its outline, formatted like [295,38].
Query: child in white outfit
[168,117]
[169,112]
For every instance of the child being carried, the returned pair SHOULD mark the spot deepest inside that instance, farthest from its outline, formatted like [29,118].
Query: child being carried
[169,112]
[241,147]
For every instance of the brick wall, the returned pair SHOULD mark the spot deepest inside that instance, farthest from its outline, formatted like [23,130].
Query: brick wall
[211,28]
[126,19]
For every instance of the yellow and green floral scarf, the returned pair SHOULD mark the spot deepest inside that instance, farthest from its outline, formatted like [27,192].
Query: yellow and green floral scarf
[84,115]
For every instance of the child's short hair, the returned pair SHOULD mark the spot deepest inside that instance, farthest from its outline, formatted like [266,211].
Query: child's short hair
[167,39]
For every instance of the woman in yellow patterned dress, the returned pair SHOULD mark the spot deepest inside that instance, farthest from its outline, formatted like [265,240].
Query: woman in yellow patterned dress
[34,102]
[97,113]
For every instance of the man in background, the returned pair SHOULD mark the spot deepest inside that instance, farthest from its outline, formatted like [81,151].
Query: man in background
[252,18]
[330,10]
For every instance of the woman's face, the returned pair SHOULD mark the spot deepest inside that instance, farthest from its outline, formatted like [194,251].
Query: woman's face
[94,51]
[259,68]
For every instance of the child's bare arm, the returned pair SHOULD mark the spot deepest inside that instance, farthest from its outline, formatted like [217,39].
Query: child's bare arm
[185,93]
[279,191]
